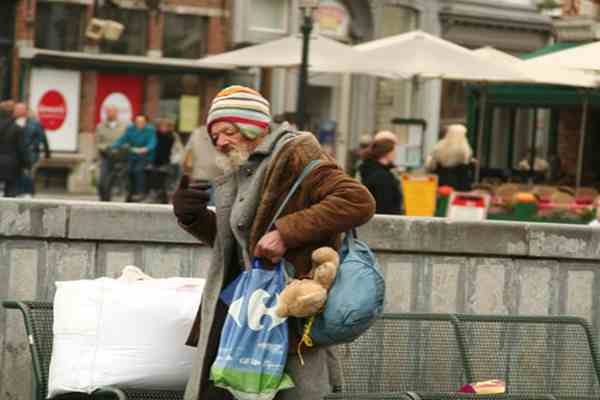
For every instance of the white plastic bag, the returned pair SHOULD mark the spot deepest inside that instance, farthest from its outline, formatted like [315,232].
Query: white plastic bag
[124,333]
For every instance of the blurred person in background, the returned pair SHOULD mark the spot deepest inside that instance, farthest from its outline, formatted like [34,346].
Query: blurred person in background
[199,158]
[452,159]
[376,174]
[358,155]
[35,139]
[141,139]
[13,151]
[168,155]
[107,132]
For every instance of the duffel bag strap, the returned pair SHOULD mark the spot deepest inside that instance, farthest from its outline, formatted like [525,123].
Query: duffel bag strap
[307,170]
[349,238]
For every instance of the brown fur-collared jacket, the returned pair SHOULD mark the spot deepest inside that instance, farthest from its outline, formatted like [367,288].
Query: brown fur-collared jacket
[328,203]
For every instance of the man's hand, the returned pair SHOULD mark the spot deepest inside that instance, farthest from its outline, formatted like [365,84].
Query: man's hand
[190,201]
[271,247]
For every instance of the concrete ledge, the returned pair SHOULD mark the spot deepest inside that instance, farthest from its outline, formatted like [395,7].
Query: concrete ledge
[33,218]
[438,235]
[126,222]
[121,222]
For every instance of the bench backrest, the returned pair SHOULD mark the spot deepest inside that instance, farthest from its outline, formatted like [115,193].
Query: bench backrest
[38,318]
[534,355]
[405,352]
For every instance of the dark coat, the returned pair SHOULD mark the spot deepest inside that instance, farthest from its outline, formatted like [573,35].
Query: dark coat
[383,185]
[13,154]
[459,177]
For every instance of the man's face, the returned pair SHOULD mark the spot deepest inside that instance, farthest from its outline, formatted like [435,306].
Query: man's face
[140,122]
[112,113]
[226,137]
[20,110]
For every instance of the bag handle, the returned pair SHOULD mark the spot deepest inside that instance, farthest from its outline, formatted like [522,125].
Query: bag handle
[307,170]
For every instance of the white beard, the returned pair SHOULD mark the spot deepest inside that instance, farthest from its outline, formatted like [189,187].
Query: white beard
[233,160]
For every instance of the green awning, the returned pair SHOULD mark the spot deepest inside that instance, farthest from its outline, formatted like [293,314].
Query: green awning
[536,95]
[552,48]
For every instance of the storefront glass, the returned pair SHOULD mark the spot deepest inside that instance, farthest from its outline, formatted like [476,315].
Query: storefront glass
[59,26]
[133,40]
[184,36]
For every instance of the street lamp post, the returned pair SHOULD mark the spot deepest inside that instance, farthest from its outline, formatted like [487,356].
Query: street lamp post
[307,6]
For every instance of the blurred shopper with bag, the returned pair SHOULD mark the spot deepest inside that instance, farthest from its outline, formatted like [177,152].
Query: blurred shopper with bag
[260,162]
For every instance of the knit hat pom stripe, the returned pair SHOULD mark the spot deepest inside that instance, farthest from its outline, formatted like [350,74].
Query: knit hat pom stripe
[242,113]
[241,121]
[244,96]
[242,106]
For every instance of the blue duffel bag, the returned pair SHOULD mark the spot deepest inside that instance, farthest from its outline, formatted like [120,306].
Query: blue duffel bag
[356,298]
[357,295]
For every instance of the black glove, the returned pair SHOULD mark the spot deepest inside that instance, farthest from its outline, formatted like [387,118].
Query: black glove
[190,201]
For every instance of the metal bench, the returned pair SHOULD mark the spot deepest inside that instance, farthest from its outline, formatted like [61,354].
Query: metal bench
[405,352]
[38,318]
[540,355]
[430,356]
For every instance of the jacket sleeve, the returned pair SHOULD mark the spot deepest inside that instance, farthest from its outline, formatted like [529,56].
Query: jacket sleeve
[340,203]
[204,228]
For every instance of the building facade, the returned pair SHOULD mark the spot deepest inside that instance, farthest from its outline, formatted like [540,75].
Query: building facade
[361,105]
[577,22]
[68,76]
[151,69]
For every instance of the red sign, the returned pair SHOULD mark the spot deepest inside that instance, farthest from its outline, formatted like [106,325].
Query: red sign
[123,91]
[52,110]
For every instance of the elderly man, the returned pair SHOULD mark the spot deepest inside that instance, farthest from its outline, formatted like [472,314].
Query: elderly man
[261,162]
[107,132]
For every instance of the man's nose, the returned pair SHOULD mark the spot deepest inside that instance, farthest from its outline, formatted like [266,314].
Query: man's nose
[221,141]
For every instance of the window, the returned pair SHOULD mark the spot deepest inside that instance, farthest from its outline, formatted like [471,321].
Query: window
[134,38]
[184,36]
[172,88]
[268,15]
[59,26]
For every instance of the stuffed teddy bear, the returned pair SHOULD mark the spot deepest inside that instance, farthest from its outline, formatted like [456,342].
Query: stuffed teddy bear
[306,297]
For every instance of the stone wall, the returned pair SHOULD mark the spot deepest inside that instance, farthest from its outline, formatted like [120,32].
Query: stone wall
[431,265]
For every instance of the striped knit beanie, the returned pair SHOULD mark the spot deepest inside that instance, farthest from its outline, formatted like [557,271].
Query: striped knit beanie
[243,107]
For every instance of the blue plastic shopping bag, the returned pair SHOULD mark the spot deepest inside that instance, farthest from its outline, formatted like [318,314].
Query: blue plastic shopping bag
[253,348]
